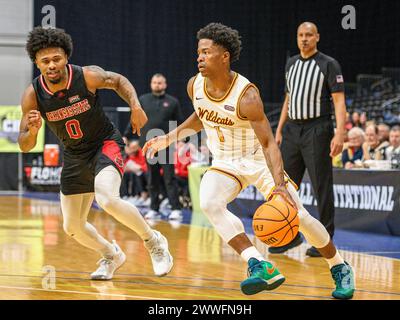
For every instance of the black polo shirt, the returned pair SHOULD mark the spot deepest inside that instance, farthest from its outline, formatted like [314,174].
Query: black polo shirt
[160,110]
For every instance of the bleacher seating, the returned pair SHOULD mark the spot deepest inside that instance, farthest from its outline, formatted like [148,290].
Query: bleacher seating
[376,94]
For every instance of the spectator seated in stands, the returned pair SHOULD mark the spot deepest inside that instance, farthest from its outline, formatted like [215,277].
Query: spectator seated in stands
[393,151]
[183,158]
[187,154]
[353,152]
[349,123]
[135,173]
[383,132]
[355,119]
[373,149]
[363,120]
[204,157]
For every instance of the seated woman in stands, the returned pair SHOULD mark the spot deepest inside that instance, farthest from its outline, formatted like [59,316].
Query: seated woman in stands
[353,152]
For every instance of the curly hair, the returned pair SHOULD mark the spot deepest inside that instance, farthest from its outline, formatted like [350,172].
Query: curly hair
[41,38]
[224,36]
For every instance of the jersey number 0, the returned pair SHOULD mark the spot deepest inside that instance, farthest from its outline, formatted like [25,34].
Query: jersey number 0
[74,129]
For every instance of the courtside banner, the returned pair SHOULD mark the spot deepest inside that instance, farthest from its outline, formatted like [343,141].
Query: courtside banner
[10,117]
[365,200]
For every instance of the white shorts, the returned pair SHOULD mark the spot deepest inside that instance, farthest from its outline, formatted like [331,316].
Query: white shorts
[250,170]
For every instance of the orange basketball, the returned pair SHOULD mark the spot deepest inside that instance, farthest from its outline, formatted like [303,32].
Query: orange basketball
[275,222]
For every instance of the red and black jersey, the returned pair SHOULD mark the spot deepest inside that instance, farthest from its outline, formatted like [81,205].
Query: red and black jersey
[73,114]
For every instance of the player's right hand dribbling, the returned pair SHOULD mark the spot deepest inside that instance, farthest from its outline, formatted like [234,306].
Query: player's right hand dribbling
[284,193]
[154,145]
[34,121]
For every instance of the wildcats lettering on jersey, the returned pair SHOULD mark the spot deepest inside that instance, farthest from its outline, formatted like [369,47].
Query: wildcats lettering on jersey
[214,117]
[68,112]
[228,135]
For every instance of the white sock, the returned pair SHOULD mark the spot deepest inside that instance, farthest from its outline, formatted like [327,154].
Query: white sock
[337,259]
[251,252]
[110,255]
[152,237]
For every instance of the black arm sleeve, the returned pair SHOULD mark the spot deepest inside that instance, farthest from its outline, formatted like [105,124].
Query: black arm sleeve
[335,77]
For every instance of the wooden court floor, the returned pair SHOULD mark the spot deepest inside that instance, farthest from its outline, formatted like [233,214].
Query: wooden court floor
[38,261]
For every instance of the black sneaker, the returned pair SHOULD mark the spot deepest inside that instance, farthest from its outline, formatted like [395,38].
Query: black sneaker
[313,252]
[295,242]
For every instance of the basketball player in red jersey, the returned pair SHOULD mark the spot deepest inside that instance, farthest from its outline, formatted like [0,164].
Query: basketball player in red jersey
[229,108]
[65,95]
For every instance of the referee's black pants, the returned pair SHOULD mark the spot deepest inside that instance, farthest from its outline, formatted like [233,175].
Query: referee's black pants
[306,144]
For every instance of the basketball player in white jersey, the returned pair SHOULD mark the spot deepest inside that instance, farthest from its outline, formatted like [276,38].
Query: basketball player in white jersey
[240,138]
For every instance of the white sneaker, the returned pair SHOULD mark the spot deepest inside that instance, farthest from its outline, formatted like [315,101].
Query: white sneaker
[164,204]
[151,214]
[107,267]
[175,215]
[160,256]
[143,202]
[138,202]
[175,224]
[147,202]
[133,200]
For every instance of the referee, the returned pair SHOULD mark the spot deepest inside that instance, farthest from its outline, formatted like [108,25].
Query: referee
[305,131]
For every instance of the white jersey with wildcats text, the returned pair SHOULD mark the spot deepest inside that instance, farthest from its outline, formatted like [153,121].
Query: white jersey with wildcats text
[229,136]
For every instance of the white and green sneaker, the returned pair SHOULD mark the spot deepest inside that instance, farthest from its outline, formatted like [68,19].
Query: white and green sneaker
[262,275]
[343,276]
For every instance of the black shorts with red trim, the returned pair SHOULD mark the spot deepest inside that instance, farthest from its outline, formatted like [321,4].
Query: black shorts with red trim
[79,172]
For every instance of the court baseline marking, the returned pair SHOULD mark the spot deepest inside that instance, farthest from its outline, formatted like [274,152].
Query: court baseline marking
[232,281]
[81,292]
[204,287]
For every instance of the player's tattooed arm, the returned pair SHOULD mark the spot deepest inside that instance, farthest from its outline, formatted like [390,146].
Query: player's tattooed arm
[252,109]
[98,78]
[31,120]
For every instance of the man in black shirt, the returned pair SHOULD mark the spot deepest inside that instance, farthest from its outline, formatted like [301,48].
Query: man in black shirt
[66,97]
[305,131]
[163,111]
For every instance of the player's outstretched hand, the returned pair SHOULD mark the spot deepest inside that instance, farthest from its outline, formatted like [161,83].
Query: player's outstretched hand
[34,121]
[154,145]
[138,119]
[284,193]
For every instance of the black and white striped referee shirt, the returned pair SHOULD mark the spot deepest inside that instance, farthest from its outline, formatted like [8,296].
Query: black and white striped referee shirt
[309,84]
